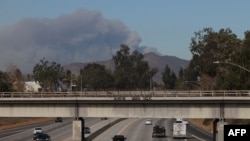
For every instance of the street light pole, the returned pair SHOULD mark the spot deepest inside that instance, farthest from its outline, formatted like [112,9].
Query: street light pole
[218,62]
[81,83]
[150,82]
[150,79]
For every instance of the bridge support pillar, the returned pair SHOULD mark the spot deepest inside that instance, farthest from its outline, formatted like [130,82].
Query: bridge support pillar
[220,130]
[215,128]
[78,130]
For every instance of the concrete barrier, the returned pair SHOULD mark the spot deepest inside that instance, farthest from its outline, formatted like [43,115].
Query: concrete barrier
[101,130]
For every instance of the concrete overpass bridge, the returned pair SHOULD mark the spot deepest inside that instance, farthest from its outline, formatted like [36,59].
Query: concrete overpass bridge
[128,104]
[221,104]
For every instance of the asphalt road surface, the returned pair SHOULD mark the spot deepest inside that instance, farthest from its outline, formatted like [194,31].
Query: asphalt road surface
[60,131]
[134,129]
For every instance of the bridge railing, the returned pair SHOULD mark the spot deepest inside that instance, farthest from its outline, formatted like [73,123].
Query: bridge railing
[133,94]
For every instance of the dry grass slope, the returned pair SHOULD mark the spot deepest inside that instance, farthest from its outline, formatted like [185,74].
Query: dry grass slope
[6,123]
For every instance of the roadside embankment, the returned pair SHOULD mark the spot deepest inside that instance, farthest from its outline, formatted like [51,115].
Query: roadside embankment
[6,122]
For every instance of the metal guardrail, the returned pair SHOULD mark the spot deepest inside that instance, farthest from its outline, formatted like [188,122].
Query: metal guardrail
[134,94]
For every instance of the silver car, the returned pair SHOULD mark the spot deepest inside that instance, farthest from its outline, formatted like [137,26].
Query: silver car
[37,130]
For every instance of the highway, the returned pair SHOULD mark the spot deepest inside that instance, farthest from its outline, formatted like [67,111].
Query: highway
[57,131]
[134,129]
[198,133]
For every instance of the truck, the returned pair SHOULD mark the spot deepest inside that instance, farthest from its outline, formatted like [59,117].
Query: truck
[179,129]
[158,131]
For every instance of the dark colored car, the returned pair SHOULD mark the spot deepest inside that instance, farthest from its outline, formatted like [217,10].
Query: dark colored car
[119,138]
[41,137]
[58,119]
[104,118]
[86,130]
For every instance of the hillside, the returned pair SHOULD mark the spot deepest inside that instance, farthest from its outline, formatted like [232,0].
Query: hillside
[160,62]
[153,60]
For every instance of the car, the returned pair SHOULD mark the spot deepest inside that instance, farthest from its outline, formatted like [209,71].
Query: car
[119,138]
[148,122]
[41,137]
[58,119]
[104,118]
[37,130]
[86,130]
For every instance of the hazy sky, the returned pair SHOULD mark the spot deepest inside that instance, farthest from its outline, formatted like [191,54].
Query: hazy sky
[68,31]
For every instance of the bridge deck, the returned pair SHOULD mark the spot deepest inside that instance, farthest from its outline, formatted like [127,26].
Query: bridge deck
[133,94]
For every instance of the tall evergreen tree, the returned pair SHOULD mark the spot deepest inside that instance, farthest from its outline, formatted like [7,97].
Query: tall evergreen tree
[169,78]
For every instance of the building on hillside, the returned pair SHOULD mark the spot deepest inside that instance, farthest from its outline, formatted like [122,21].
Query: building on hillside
[32,86]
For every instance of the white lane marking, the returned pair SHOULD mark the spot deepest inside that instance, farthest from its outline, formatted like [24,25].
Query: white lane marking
[198,138]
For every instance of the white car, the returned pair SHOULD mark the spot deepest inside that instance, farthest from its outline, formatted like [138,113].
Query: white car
[37,130]
[148,122]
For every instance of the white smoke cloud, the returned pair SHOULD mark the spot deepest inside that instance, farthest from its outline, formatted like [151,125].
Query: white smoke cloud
[147,49]
[82,36]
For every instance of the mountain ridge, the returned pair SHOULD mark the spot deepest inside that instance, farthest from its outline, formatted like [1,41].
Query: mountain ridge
[153,60]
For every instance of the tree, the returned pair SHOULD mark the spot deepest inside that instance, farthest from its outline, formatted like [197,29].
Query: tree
[234,77]
[168,78]
[16,78]
[123,68]
[131,72]
[208,46]
[48,74]
[95,77]
[244,61]
[5,82]
[180,82]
